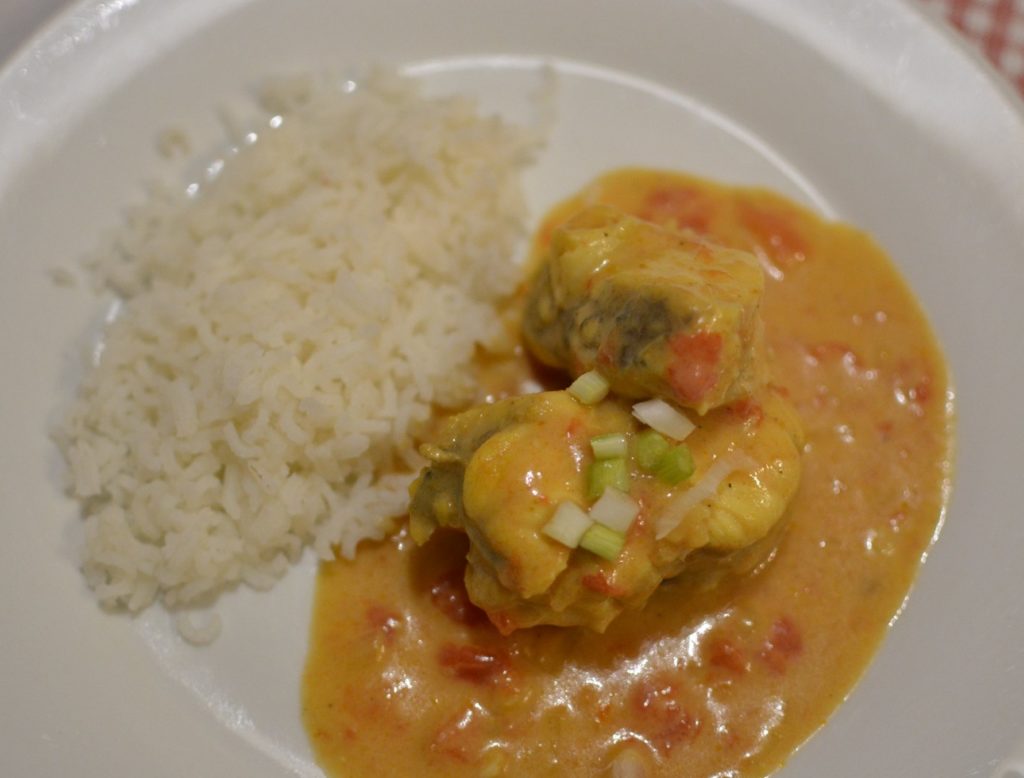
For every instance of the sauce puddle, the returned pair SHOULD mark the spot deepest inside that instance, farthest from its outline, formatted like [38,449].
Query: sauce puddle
[714,677]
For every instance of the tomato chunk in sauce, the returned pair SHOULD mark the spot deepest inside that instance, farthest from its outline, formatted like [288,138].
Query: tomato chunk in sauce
[406,677]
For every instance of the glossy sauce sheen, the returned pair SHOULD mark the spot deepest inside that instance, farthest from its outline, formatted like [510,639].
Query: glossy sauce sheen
[405,677]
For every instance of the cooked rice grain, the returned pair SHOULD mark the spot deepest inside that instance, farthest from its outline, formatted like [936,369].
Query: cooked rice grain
[284,336]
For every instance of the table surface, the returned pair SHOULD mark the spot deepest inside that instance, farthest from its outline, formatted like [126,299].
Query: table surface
[994,27]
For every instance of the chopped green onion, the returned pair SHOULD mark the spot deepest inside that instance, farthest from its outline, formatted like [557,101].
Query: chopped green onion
[606,543]
[661,416]
[675,465]
[607,472]
[590,388]
[609,446]
[615,510]
[568,524]
[650,447]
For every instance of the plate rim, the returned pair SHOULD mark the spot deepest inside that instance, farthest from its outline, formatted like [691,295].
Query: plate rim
[37,51]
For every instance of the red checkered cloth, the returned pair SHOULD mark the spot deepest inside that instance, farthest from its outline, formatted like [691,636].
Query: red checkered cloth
[995,26]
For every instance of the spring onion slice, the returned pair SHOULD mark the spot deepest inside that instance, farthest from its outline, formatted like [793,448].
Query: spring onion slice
[675,465]
[649,448]
[607,472]
[659,415]
[590,388]
[705,488]
[606,543]
[615,510]
[568,524]
[611,446]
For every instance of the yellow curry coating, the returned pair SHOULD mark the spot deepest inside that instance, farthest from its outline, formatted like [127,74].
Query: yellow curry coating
[658,312]
[499,471]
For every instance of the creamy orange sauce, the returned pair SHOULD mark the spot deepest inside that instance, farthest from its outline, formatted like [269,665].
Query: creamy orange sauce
[725,677]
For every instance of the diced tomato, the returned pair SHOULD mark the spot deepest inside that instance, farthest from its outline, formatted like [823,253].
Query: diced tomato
[725,654]
[694,371]
[608,351]
[662,716]
[843,354]
[503,621]
[782,644]
[475,664]
[828,349]
[922,390]
[448,594]
[774,231]
[575,428]
[748,409]
[598,582]
[681,205]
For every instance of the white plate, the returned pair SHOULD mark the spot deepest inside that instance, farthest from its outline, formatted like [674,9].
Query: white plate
[859,107]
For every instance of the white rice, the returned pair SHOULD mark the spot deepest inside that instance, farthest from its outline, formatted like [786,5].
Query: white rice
[284,336]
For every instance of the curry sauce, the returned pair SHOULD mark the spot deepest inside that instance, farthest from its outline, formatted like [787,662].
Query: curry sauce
[717,675]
